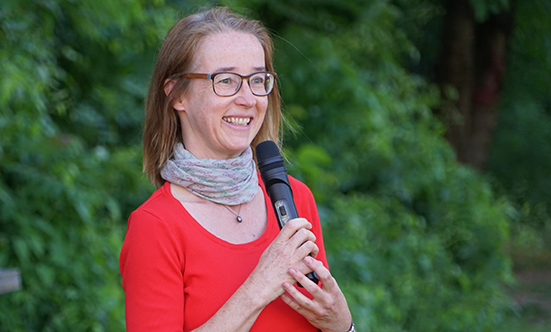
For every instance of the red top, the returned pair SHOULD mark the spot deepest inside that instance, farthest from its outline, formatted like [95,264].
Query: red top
[176,274]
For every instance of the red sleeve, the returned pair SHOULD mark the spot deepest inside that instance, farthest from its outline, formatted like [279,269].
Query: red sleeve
[151,270]
[306,207]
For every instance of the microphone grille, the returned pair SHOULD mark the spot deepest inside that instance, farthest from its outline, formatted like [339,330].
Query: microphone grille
[266,150]
[268,156]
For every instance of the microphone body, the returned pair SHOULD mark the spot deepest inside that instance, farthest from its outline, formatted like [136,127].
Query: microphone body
[274,175]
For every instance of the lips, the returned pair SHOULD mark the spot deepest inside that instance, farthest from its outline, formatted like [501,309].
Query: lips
[237,120]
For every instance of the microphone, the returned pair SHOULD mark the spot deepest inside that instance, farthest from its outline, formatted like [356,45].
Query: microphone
[274,175]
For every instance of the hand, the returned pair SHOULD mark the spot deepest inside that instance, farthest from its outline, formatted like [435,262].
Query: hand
[328,310]
[288,250]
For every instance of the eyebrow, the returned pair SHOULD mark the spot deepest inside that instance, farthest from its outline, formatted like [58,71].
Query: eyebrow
[218,70]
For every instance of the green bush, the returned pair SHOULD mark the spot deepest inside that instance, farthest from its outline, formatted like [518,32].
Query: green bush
[407,271]
[414,240]
[521,150]
[70,117]
[64,233]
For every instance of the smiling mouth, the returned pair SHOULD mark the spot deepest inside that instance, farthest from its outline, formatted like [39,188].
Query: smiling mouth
[237,121]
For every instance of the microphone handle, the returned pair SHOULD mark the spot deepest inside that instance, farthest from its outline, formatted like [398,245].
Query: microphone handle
[285,210]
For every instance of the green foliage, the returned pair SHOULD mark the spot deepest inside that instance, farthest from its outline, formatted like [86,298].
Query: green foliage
[414,239]
[70,117]
[521,151]
[403,273]
[483,9]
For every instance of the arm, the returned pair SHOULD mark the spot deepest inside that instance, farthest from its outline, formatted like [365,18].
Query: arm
[152,277]
[151,274]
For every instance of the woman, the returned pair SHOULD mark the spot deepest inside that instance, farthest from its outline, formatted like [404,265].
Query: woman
[204,253]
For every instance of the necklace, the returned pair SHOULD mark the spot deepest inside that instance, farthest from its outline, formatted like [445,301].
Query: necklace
[237,216]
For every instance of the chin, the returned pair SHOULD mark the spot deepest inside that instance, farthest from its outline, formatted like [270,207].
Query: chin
[237,149]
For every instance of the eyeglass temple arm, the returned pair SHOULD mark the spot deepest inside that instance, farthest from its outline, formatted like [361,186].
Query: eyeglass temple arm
[196,75]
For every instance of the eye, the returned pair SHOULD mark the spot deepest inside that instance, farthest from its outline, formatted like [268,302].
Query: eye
[257,79]
[224,80]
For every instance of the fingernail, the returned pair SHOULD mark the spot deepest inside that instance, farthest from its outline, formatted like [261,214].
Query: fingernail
[308,259]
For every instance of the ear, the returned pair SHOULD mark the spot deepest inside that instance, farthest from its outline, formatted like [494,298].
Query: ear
[179,103]
[169,84]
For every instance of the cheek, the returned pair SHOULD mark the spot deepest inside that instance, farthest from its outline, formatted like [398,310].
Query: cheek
[263,105]
[265,109]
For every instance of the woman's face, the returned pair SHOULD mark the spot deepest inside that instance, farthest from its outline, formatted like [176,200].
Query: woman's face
[222,127]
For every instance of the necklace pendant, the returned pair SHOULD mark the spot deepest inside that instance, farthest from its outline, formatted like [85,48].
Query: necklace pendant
[239,219]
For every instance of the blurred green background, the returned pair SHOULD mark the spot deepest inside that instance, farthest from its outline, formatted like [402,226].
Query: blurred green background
[384,99]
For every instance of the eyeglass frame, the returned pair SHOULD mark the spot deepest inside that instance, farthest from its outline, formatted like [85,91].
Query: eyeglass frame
[243,77]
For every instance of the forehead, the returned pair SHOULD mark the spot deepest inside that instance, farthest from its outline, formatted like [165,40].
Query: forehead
[230,49]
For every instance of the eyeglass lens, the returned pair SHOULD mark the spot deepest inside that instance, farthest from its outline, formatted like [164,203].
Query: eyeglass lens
[228,84]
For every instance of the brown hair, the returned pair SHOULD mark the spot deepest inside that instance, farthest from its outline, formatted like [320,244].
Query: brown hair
[162,129]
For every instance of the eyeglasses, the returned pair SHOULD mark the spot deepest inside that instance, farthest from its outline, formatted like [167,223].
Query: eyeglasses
[226,84]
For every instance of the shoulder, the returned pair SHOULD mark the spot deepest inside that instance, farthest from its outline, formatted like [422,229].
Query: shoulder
[161,207]
[303,197]
[153,226]
[299,188]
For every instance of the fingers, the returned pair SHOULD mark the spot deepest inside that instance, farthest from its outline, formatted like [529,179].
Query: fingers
[320,305]
[323,273]
[327,310]
[293,226]
[296,299]
[301,231]
[291,246]
[307,248]
[329,284]
[303,240]
[314,251]
[297,232]
[293,243]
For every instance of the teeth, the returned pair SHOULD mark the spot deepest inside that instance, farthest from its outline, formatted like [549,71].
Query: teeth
[238,121]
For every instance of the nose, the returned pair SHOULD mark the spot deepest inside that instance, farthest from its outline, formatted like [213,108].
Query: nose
[245,95]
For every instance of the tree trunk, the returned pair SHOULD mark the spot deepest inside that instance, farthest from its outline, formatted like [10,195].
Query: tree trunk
[472,61]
